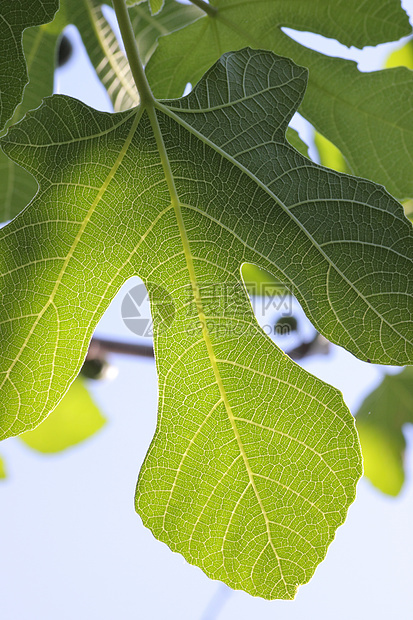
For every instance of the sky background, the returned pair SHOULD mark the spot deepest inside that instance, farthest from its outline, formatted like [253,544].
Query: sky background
[73,546]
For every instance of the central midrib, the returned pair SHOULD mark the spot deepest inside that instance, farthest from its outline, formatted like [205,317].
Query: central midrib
[176,203]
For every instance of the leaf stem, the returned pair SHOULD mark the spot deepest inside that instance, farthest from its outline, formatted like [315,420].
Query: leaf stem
[129,41]
[207,8]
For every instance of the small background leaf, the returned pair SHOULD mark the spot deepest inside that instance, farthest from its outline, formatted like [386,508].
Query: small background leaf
[3,473]
[380,422]
[329,155]
[75,419]
[104,51]
[408,209]
[156,6]
[402,57]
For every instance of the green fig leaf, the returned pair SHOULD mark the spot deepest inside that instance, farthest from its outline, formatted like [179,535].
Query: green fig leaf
[254,461]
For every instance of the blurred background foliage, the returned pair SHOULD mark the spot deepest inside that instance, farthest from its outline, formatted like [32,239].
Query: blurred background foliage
[75,419]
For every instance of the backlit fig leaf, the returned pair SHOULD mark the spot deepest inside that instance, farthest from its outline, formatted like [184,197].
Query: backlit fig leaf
[364,114]
[254,461]
[15,16]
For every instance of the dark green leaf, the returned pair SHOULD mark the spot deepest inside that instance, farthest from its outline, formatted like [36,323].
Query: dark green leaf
[15,16]
[39,43]
[366,115]
[295,141]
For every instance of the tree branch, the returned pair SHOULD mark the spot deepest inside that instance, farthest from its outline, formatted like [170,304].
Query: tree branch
[99,347]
